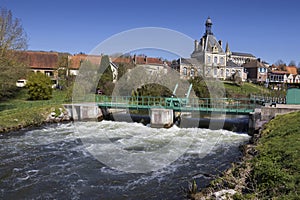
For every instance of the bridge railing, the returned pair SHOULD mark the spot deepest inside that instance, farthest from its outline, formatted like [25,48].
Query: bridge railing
[192,104]
[267,99]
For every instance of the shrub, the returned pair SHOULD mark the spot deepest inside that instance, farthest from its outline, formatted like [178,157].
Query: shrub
[39,87]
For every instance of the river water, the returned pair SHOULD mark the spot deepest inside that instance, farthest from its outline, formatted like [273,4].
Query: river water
[55,162]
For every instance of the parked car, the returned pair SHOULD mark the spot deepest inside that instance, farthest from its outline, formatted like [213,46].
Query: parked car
[21,83]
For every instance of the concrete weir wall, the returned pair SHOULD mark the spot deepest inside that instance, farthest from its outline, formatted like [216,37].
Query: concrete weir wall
[264,114]
[267,113]
[84,111]
[161,118]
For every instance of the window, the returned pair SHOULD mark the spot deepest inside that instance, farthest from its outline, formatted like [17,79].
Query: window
[222,60]
[262,70]
[215,71]
[227,73]
[216,59]
[222,72]
[208,59]
[48,73]
[192,72]
[184,71]
[208,71]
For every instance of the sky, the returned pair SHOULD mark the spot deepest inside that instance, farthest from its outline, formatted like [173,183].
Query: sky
[268,29]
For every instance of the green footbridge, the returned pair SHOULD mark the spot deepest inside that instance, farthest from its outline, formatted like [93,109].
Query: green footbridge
[218,105]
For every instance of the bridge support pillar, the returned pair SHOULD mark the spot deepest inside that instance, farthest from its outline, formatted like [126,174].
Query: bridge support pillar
[161,117]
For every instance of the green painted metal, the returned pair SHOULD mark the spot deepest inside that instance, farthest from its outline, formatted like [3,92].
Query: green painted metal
[221,105]
[293,96]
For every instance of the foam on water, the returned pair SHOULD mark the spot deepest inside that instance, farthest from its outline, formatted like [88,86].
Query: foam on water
[56,161]
[132,147]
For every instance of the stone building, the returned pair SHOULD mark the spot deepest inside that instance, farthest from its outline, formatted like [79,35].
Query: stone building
[210,60]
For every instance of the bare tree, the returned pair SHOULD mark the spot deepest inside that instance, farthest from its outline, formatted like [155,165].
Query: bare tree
[292,63]
[12,34]
[280,63]
[13,39]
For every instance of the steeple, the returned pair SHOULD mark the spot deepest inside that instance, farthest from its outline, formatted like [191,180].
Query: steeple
[208,25]
[227,50]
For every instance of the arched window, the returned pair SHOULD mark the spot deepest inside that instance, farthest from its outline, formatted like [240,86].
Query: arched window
[227,73]
[222,73]
[192,72]
[215,59]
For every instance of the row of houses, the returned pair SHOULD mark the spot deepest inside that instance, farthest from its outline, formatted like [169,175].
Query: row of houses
[50,63]
[253,70]
[208,60]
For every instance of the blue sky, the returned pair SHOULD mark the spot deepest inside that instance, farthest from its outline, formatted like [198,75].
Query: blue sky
[269,29]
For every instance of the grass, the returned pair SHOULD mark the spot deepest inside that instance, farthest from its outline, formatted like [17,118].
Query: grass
[270,169]
[276,170]
[19,112]
[244,90]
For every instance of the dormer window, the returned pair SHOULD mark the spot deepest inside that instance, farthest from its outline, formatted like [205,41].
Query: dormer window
[215,49]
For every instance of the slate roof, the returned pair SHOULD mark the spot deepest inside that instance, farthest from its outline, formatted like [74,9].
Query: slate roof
[210,42]
[231,64]
[192,61]
[242,54]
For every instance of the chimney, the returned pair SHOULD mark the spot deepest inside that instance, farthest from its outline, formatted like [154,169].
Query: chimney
[202,43]
[220,43]
[196,45]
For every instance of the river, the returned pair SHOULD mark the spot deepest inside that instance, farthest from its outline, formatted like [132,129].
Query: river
[57,162]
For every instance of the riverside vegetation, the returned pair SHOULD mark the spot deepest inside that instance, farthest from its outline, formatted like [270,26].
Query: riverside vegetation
[19,112]
[270,168]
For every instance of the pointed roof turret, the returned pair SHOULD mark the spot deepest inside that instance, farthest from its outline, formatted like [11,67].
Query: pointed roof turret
[227,50]
[208,25]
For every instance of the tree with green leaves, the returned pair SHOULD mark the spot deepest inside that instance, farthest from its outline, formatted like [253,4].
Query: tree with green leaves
[200,87]
[64,79]
[106,76]
[13,39]
[39,86]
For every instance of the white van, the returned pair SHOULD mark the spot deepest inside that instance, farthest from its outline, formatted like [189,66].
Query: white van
[21,83]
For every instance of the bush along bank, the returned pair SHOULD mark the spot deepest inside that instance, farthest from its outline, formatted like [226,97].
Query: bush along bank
[269,169]
[34,116]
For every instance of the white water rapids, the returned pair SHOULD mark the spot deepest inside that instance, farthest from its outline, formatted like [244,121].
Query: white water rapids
[82,161]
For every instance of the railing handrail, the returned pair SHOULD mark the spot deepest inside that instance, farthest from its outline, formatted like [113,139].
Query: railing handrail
[231,104]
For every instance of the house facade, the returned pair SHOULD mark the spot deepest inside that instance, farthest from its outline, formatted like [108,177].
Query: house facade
[43,62]
[256,70]
[279,75]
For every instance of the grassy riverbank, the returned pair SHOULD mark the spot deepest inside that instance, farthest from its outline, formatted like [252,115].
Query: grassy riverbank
[271,166]
[20,112]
